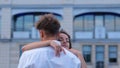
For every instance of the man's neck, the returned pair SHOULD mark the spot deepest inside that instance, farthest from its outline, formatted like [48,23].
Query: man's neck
[49,38]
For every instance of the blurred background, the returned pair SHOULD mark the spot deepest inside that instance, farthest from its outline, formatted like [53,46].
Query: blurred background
[94,26]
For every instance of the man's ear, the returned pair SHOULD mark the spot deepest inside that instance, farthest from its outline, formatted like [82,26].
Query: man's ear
[41,33]
[58,35]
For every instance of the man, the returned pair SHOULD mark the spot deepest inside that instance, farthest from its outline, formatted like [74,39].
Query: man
[45,57]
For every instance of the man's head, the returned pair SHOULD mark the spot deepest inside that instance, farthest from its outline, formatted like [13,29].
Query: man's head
[48,26]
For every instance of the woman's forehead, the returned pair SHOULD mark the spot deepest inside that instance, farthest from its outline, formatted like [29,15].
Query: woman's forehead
[63,35]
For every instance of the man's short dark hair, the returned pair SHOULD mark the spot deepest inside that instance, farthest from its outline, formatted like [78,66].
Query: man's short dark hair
[48,23]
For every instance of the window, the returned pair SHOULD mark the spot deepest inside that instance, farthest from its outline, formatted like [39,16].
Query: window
[88,23]
[113,54]
[84,23]
[99,56]
[109,23]
[99,53]
[28,22]
[98,20]
[37,17]
[19,24]
[87,53]
[78,24]
[96,25]
[117,23]
[0,26]
[24,24]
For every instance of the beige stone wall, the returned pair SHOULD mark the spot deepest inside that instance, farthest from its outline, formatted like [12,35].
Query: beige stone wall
[92,2]
[14,55]
[118,56]
[4,55]
[67,24]
[35,2]
[44,2]
[6,23]
[5,2]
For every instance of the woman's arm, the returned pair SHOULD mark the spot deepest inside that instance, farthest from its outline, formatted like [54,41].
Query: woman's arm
[79,55]
[53,43]
[34,45]
[83,64]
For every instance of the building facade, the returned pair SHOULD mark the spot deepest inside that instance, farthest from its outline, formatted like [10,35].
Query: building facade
[93,25]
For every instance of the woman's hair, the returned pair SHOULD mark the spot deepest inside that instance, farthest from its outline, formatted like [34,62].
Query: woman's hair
[64,32]
[48,23]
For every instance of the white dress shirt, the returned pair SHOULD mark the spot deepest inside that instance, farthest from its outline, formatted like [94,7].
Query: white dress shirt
[45,58]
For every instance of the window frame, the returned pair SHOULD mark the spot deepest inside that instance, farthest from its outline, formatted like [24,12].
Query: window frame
[83,52]
[115,27]
[113,52]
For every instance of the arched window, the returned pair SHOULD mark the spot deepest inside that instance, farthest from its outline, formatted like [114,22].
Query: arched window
[0,24]
[98,25]
[24,24]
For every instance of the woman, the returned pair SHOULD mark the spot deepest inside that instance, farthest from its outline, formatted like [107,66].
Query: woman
[64,38]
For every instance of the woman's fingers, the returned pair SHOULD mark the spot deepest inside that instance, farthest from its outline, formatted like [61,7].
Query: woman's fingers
[56,50]
[62,49]
[59,49]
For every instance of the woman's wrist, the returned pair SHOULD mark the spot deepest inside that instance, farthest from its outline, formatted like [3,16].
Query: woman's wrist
[55,42]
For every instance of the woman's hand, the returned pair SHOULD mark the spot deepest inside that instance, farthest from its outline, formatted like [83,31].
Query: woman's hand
[57,46]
